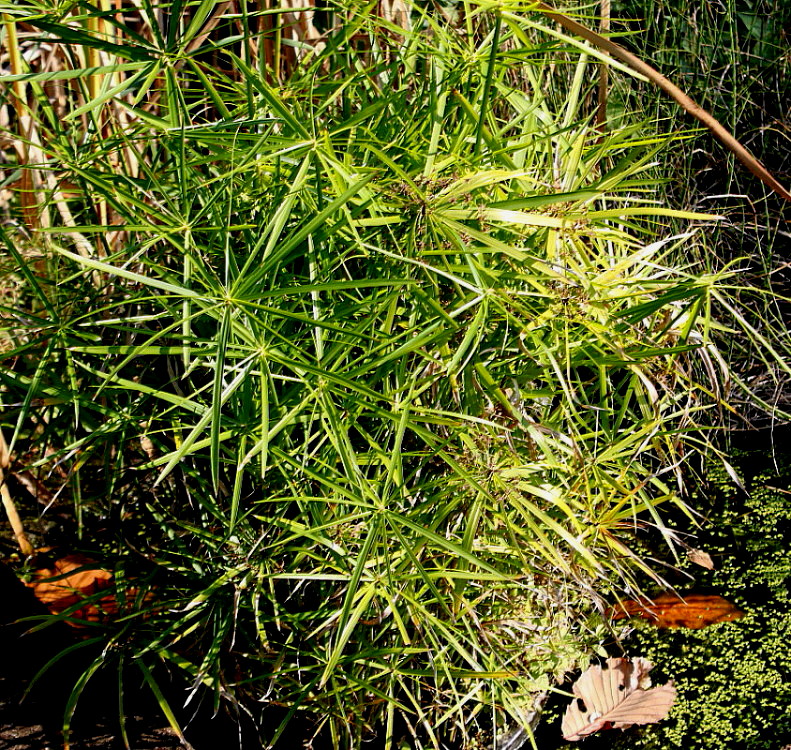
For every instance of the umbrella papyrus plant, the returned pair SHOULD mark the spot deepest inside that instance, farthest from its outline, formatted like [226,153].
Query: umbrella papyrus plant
[415,357]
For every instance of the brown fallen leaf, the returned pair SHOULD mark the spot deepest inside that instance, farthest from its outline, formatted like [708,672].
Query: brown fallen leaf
[72,579]
[615,697]
[671,611]
[699,557]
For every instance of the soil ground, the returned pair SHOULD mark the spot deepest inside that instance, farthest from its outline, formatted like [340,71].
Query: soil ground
[23,727]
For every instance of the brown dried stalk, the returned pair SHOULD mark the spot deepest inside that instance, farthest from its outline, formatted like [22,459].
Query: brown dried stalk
[25,547]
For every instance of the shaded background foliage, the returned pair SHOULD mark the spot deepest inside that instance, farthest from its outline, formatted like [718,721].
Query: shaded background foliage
[733,59]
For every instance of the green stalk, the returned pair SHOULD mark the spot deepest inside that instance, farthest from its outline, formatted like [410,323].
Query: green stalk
[487,87]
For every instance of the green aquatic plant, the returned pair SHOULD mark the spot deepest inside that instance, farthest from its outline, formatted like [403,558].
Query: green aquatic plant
[733,679]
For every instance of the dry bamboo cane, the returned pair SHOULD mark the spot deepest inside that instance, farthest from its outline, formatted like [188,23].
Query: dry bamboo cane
[25,547]
[34,208]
